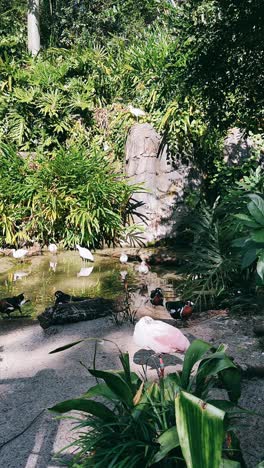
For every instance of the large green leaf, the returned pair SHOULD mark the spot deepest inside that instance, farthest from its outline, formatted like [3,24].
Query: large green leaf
[168,441]
[258,236]
[231,378]
[260,266]
[116,385]
[249,257]
[200,429]
[193,354]
[100,390]
[256,208]
[211,366]
[88,406]
[247,220]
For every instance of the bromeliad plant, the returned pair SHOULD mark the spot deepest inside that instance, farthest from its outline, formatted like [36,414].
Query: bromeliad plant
[171,422]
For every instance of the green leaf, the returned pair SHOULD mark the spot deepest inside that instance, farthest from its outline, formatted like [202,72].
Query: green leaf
[116,384]
[231,378]
[100,390]
[240,242]
[229,464]
[260,266]
[193,354]
[258,236]
[168,441]
[67,346]
[209,367]
[200,429]
[248,258]
[247,220]
[87,406]
[256,208]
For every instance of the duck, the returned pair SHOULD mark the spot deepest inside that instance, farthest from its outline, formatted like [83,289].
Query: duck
[143,267]
[159,336]
[85,254]
[53,248]
[63,298]
[123,258]
[180,309]
[9,304]
[19,254]
[156,297]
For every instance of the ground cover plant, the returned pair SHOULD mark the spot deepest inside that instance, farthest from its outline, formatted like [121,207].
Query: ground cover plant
[173,421]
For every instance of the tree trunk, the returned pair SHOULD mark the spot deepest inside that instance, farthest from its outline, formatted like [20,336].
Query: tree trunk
[33,27]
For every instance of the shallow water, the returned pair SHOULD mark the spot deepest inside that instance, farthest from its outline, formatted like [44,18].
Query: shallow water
[39,277]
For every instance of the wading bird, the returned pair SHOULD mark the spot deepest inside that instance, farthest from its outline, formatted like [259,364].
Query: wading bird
[85,254]
[53,248]
[123,258]
[159,336]
[19,254]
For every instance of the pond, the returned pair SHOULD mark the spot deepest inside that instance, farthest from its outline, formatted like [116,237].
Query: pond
[39,277]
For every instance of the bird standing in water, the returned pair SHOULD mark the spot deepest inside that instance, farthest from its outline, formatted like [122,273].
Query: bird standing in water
[143,268]
[179,309]
[123,258]
[53,248]
[85,254]
[156,297]
[19,254]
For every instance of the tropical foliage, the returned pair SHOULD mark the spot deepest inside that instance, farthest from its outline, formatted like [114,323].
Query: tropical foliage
[75,196]
[143,423]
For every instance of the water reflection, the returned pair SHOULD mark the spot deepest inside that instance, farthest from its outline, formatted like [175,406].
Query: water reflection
[85,271]
[18,275]
[65,272]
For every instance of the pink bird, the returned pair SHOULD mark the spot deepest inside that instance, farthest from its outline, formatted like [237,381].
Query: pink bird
[159,336]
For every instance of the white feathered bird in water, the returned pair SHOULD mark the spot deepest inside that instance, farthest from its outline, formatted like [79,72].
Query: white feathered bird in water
[19,254]
[159,336]
[85,254]
[123,258]
[53,248]
[143,268]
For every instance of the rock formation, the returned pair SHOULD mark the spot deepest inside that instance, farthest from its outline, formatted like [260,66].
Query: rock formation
[165,182]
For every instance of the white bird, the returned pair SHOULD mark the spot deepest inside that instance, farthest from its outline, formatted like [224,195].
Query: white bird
[123,258]
[159,336]
[53,265]
[143,268]
[85,272]
[136,112]
[19,254]
[53,248]
[18,275]
[85,254]
[123,275]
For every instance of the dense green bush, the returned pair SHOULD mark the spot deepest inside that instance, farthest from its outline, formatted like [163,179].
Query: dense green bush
[73,196]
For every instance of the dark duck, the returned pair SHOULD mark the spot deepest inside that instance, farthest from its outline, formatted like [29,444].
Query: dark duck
[63,298]
[9,304]
[156,297]
[180,309]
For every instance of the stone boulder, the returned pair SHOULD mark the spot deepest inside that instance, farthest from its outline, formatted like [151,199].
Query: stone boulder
[165,183]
